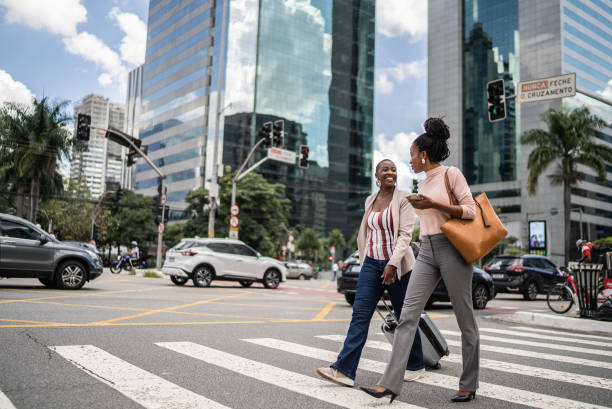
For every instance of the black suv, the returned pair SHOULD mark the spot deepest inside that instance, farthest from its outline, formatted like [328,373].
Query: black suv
[529,275]
[482,286]
[26,251]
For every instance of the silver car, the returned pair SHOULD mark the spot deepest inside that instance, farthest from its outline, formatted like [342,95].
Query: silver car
[205,260]
[26,251]
[298,270]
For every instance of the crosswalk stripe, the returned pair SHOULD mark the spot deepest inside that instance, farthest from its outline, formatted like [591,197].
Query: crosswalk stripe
[295,382]
[547,338]
[141,386]
[525,370]
[564,333]
[5,402]
[534,344]
[499,392]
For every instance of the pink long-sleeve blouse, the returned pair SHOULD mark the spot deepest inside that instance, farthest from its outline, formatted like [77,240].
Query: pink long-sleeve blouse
[433,186]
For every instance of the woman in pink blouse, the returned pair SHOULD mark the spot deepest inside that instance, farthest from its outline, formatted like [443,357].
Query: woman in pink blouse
[438,258]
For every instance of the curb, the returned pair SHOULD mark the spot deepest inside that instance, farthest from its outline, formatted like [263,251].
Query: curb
[559,322]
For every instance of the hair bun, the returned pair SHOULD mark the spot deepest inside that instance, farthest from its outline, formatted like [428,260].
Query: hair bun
[436,128]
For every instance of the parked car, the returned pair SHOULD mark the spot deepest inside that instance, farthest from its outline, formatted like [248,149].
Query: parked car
[26,251]
[298,270]
[529,275]
[482,286]
[205,260]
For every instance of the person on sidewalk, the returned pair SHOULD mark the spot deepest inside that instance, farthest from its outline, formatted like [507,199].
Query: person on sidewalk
[386,260]
[437,258]
[334,271]
[585,248]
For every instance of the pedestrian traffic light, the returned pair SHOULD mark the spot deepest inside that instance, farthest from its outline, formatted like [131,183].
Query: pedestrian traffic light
[303,159]
[496,100]
[278,138]
[266,134]
[83,123]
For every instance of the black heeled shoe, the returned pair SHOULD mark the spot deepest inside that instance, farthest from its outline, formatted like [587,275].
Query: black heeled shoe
[464,398]
[376,394]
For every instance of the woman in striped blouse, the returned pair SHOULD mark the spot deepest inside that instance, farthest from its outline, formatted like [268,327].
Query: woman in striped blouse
[386,261]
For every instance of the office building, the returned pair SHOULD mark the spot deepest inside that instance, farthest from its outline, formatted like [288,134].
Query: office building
[132,110]
[472,42]
[100,164]
[213,70]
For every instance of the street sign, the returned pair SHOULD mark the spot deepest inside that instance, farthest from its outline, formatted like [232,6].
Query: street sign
[233,234]
[547,88]
[160,228]
[234,210]
[233,221]
[281,155]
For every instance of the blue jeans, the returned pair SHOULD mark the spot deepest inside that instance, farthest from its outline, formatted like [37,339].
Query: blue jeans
[369,290]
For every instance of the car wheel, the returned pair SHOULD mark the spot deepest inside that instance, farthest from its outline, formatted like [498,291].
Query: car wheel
[531,291]
[271,279]
[48,283]
[178,280]
[350,298]
[202,276]
[480,297]
[246,283]
[70,275]
[302,277]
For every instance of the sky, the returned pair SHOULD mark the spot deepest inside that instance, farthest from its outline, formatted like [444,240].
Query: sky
[66,49]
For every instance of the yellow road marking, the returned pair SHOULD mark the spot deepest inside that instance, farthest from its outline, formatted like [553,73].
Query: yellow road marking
[176,307]
[324,311]
[328,284]
[33,322]
[85,295]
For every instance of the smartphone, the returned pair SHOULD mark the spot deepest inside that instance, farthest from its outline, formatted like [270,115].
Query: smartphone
[414,196]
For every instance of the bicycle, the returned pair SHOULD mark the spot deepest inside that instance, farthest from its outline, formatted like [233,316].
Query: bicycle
[563,296]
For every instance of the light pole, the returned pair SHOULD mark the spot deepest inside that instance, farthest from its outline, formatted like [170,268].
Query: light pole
[579,209]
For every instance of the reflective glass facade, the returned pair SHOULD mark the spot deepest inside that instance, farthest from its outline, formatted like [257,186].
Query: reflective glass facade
[490,51]
[309,62]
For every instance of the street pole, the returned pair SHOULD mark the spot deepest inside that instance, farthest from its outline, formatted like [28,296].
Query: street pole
[160,233]
[214,187]
[579,209]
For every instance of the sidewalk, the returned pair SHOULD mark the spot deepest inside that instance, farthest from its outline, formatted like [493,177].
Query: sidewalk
[566,322]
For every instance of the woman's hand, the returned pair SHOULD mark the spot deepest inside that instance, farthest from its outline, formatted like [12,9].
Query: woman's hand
[389,274]
[424,203]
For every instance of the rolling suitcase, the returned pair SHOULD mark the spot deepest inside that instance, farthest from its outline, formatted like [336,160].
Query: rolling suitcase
[433,343]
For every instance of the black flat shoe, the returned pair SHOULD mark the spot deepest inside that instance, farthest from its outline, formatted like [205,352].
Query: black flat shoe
[464,398]
[376,394]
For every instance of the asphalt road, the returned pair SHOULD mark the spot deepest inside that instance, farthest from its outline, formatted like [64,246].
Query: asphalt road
[128,342]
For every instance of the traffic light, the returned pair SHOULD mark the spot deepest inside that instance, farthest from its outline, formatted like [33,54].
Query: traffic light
[96,232]
[278,138]
[132,154]
[303,159]
[83,123]
[266,134]
[159,213]
[496,100]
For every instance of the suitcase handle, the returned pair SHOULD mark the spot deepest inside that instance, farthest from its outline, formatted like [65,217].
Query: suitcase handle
[388,309]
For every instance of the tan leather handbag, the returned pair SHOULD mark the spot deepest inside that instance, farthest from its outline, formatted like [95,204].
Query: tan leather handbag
[474,238]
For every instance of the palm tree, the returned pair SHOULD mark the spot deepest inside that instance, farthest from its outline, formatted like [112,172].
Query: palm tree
[568,142]
[36,138]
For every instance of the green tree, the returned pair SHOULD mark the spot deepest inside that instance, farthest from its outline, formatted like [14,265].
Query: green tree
[336,239]
[352,243]
[136,217]
[197,225]
[308,243]
[174,234]
[568,142]
[264,212]
[34,139]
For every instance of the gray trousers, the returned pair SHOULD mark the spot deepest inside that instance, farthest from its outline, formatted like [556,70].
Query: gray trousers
[437,258]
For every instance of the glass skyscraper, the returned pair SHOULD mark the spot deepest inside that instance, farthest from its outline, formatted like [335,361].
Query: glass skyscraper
[472,42]
[212,71]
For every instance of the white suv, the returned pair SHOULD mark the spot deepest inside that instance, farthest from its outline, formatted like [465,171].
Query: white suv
[204,260]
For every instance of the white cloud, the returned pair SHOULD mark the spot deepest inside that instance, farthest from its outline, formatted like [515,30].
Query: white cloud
[396,148]
[13,91]
[56,16]
[91,48]
[396,18]
[386,78]
[134,43]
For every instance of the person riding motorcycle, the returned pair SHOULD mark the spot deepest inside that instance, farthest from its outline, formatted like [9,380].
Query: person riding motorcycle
[585,250]
[134,254]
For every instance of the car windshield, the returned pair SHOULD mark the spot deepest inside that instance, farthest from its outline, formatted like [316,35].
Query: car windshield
[503,263]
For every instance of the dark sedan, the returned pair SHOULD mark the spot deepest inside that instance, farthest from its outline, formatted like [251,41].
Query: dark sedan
[482,286]
[529,275]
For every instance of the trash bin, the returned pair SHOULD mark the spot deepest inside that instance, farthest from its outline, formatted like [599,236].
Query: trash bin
[586,277]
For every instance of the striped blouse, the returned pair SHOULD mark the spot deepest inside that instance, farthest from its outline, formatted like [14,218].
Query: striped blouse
[380,234]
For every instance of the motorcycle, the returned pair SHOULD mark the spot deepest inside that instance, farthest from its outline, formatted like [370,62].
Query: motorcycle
[123,263]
